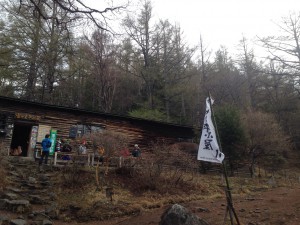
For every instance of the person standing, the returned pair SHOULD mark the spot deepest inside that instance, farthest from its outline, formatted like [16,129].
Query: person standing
[136,152]
[46,145]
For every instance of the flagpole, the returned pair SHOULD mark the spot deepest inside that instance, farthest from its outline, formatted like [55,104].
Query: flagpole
[230,209]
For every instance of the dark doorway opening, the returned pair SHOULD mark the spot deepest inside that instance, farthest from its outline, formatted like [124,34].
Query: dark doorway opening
[21,137]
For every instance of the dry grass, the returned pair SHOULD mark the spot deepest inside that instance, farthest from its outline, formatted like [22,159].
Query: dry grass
[128,200]
[150,184]
[130,197]
[79,199]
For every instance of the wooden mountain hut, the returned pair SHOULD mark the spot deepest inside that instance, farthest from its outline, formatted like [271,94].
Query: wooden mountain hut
[24,123]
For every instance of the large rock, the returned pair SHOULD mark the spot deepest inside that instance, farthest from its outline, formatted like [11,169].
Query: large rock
[178,215]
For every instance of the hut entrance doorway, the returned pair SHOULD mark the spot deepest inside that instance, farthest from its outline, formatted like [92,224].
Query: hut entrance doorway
[21,137]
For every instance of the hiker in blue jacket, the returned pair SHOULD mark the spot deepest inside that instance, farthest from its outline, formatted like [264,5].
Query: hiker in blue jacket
[46,145]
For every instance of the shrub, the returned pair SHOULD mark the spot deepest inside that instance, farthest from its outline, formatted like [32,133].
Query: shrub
[267,140]
[164,172]
[112,142]
[232,134]
[74,176]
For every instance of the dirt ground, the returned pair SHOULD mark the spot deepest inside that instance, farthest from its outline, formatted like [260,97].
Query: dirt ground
[261,201]
[275,206]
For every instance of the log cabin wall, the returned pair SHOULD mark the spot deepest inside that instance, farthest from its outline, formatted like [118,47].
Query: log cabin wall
[138,131]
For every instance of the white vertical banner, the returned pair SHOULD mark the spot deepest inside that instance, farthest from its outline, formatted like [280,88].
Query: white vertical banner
[209,148]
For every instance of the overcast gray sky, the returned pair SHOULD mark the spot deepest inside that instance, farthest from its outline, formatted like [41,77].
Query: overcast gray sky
[224,22]
[220,22]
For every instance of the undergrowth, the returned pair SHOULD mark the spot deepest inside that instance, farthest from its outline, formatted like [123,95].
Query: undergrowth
[147,183]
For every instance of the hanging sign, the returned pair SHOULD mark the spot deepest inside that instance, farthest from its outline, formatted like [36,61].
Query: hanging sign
[27,116]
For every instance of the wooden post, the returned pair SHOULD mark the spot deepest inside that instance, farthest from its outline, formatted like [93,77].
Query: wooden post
[93,159]
[229,209]
[55,159]
[88,163]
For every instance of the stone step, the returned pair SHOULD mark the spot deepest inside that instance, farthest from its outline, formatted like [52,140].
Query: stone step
[10,195]
[4,220]
[17,206]
[30,186]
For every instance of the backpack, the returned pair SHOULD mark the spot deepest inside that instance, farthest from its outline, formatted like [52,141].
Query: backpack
[47,143]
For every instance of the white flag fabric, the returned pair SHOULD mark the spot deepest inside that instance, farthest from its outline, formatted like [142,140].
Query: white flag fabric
[208,148]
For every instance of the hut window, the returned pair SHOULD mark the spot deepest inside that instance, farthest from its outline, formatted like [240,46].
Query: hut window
[96,129]
[82,129]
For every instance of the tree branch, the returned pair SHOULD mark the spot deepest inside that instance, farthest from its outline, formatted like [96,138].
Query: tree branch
[76,7]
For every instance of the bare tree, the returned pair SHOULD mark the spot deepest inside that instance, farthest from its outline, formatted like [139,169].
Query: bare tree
[79,9]
[224,81]
[161,60]
[55,48]
[250,70]
[173,58]
[282,80]
[104,70]
[140,31]
[285,48]
[204,69]
[205,65]
[267,141]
